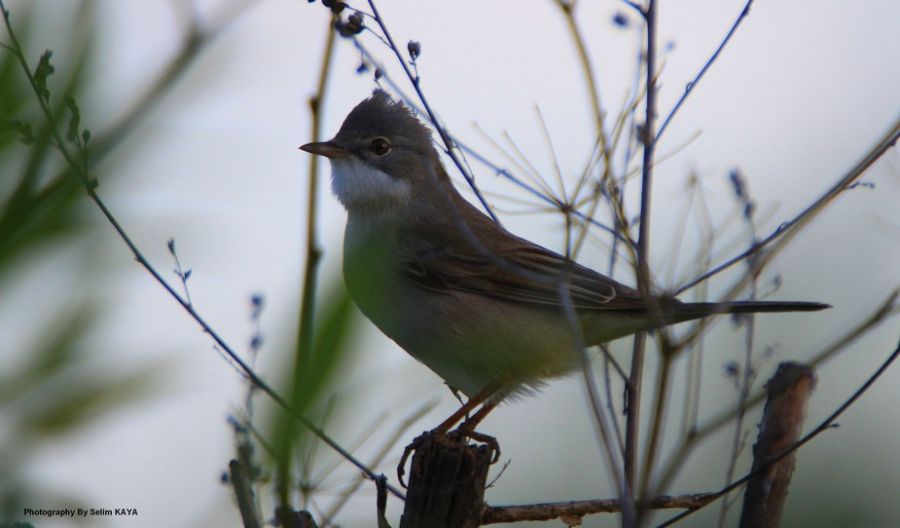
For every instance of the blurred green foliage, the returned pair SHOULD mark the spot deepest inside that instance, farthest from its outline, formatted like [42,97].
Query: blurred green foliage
[310,384]
[50,387]
[50,391]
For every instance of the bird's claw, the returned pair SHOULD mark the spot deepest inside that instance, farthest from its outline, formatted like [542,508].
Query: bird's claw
[488,440]
[459,434]
[414,445]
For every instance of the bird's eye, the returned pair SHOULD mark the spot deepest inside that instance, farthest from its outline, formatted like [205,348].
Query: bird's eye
[380,146]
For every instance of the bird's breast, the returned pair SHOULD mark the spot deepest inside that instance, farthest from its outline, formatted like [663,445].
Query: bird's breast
[468,339]
[373,274]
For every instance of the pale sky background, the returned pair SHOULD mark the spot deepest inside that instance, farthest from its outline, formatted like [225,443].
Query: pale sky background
[801,93]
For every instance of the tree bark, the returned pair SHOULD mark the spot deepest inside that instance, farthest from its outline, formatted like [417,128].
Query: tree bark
[788,396]
[446,483]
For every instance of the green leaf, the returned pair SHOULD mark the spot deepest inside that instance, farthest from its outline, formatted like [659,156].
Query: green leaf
[56,352]
[310,382]
[74,119]
[44,70]
[330,336]
[75,403]
[26,135]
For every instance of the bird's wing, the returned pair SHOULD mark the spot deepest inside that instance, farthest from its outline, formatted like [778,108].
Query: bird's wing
[522,272]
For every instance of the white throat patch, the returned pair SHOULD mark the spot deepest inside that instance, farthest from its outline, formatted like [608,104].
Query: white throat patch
[360,186]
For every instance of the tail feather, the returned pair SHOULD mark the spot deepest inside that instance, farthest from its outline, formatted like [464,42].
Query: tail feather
[688,311]
[602,327]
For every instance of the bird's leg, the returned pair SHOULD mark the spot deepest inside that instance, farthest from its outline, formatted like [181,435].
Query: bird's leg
[476,400]
[467,429]
[470,423]
[464,429]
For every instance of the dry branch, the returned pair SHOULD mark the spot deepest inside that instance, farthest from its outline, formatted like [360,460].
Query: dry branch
[577,509]
[788,396]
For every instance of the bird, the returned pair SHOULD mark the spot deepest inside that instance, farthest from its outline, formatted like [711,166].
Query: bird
[478,305]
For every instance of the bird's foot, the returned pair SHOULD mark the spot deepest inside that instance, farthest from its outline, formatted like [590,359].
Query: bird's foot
[417,442]
[463,432]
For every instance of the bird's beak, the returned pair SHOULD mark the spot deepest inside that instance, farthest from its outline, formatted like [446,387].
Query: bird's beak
[329,149]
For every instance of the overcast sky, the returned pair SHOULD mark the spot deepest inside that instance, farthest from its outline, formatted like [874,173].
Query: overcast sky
[801,93]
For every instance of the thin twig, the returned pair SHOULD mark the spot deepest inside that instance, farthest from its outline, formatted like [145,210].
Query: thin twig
[304,344]
[693,84]
[568,10]
[313,252]
[643,248]
[381,501]
[643,245]
[695,363]
[600,419]
[634,5]
[555,510]
[608,360]
[602,144]
[243,492]
[748,376]
[179,271]
[657,424]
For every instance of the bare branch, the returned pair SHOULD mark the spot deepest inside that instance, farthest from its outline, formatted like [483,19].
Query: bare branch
[635,381]
[788,396]
[558,510]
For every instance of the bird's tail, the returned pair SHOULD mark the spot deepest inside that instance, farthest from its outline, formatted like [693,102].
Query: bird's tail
[602,327]
[681,312]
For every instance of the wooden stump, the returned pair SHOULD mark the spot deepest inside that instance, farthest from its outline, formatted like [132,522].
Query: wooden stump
[446,482]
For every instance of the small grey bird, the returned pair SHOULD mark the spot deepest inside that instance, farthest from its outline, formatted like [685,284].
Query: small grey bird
[478,305]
